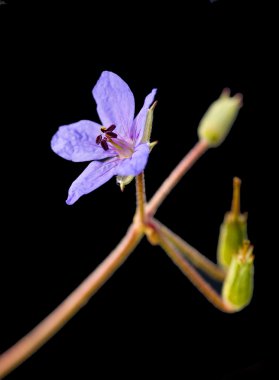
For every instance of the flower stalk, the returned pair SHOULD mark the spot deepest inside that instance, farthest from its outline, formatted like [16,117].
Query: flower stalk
[141,197]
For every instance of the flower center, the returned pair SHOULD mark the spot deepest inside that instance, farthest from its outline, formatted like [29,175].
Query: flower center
[111,140]
[109,134]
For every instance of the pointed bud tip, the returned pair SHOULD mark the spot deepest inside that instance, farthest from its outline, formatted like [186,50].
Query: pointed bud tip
[225,93]
[153,144]
[239,98]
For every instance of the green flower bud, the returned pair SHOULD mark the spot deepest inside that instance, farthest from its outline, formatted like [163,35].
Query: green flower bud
[238,286]
[219,118]
[233,231]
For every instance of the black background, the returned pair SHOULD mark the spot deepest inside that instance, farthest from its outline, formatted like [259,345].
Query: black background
[148,320]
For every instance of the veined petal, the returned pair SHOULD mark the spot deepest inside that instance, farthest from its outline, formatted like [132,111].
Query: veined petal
[95,175]
[135,164]
[115,102]
[77,142]
[138,125]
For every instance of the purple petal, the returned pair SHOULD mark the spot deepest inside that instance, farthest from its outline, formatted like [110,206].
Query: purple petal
[137,129]
[136,163]
[77,142]
[115,102]
[95,175]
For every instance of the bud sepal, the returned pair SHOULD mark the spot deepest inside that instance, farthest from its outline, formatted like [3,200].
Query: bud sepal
[219,118]
[233,230]
[238,286]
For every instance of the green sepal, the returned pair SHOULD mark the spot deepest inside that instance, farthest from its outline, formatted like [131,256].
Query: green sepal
[148,124]
[233,232]
[123,181]
[238,286]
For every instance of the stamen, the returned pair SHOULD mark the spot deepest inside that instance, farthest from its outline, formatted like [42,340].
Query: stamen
[111,128]
[123,148]
[99,139]
[104,144]
[111,134]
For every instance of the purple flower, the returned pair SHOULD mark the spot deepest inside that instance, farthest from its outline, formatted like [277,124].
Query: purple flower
[118,142]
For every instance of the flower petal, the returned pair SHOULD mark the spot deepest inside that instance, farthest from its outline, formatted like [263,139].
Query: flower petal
[135,164]
[77,142]
[115,102]
[95,175]
[137,129]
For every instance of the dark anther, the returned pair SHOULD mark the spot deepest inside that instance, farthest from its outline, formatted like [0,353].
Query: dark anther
[104,144]
[99,139]
[111,134]
[111,128]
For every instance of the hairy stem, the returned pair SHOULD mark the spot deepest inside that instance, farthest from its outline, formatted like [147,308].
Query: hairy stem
[141,198]
[192,254]
[188,161]
[29,344]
